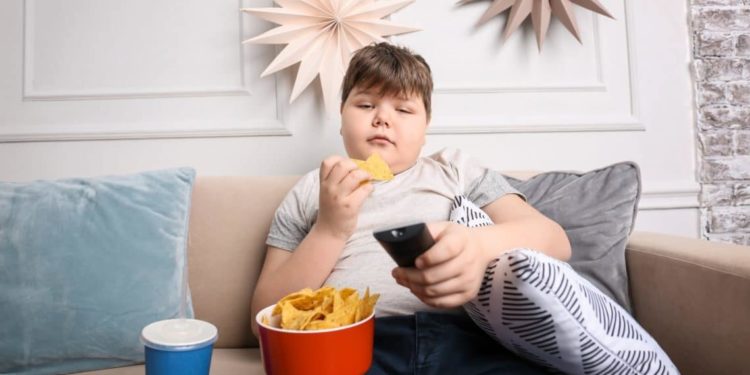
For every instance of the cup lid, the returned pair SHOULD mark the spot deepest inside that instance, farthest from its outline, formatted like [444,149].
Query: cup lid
[179,334]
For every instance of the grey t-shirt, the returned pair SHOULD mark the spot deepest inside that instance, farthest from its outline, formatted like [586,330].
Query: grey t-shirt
[422,193]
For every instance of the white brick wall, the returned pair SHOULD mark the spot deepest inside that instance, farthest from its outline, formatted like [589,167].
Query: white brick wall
[721,51]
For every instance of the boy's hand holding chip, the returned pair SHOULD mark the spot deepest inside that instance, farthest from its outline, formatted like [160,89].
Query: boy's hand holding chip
[343,189]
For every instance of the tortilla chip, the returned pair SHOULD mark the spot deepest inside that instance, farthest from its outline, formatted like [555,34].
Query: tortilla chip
[376,167]
[324,308]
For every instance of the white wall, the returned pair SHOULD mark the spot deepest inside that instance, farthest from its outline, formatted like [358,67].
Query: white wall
[91,87]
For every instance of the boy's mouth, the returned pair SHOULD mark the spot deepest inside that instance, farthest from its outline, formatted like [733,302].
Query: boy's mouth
[380,139]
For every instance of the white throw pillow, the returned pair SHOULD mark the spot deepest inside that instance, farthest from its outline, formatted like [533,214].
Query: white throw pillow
[541,309]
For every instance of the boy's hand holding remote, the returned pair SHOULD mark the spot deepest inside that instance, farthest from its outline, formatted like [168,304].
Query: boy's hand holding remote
[449,273]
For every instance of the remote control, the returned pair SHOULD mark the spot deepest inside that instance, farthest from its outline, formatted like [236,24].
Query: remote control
[405,244]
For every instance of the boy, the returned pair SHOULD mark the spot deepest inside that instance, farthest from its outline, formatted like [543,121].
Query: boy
[322,232]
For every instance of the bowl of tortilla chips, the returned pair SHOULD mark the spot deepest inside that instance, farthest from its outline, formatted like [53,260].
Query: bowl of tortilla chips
[324,331]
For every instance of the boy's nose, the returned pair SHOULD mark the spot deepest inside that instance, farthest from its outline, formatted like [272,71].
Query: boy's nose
[380,120]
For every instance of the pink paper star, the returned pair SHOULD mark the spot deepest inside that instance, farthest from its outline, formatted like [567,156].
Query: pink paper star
[541,12]
[322,35]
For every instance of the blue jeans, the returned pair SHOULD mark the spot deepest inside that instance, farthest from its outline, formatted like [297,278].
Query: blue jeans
[435,343]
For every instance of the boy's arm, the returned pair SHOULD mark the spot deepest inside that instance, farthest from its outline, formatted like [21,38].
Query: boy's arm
[342,192]
[285,272]
[450,273]
[518,224]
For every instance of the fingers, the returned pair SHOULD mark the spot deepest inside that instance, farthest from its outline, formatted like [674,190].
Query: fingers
[342,175]
[327,166]
[450,293]
[353,180]
[449,243]
[361,192]
[449,273]
[338,169]
[440,273]
[437,227]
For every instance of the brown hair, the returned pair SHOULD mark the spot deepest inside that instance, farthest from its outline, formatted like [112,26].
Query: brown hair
[394,70]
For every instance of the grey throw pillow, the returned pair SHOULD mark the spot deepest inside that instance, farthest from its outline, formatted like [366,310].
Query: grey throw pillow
[597,209]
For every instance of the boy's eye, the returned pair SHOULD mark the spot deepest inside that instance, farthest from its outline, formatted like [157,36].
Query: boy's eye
[366,106]
[404,110]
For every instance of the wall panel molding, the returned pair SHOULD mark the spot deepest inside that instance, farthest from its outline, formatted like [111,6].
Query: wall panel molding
[19,134]
[626,120]
[264,116]
[495,125]
[30,93]
[596,86]
[678,196]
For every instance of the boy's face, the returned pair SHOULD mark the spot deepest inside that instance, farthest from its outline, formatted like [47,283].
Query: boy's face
[392,126]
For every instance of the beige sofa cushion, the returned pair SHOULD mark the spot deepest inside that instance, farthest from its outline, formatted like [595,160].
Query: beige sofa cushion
[229,220]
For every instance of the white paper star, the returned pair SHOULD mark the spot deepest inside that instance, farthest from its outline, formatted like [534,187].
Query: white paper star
[541,12]
[322,35]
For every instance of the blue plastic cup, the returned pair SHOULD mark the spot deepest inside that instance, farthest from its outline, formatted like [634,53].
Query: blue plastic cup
[179,346]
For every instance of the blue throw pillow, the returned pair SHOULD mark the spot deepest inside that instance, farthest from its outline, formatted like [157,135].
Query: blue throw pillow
[85,264]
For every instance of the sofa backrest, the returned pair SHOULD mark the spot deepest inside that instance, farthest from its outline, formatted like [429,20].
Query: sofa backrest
[229,220]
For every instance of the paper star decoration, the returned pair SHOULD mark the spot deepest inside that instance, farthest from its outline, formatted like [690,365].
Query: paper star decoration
[322,35]
[541,12]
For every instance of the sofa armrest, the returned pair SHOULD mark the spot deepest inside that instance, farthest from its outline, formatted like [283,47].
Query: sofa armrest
[693,296]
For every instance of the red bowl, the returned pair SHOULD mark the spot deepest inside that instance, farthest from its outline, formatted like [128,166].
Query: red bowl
[344,350]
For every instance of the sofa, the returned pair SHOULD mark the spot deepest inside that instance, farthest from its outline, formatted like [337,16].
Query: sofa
[692,295]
